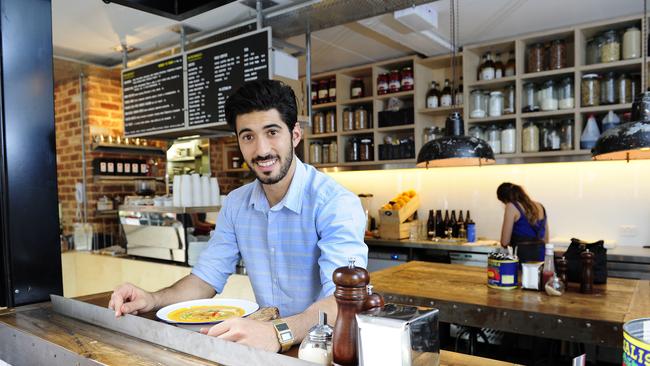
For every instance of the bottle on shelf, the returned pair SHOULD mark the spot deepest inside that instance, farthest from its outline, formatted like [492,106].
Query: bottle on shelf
[453,224]
[458,96]
[479,72]
[446,98]
[431,226]
[487,71]
[314,92]
[440,224]
[499,69]
[509,69]
[433,96]
[549,264]
[357,88]
[446,224]
[332,89]
[323,91]
[460,224]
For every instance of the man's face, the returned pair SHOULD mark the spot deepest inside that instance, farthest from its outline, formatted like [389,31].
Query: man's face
[267,144]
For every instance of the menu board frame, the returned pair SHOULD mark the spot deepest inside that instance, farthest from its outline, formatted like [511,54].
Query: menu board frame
[184,90]
[269,57]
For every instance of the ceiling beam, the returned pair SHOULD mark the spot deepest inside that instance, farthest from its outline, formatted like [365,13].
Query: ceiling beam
[376,36]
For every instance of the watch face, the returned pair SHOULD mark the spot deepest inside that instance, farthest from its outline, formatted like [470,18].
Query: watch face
[282,327]
[286,337]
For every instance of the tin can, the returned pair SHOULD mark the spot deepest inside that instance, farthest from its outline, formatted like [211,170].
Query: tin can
[502,274]
[636,342]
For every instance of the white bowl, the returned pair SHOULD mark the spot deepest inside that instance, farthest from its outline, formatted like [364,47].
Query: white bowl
[163,314]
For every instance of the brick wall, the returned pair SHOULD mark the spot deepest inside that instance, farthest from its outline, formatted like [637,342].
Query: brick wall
[227,181]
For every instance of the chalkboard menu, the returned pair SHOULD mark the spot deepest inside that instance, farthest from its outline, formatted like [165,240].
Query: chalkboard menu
[218,70]
[153,97]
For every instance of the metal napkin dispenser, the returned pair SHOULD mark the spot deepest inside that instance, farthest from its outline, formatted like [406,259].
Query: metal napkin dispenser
[398,335]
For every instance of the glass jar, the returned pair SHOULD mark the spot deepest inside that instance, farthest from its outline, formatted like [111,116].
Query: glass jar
[545,141]
[323,91]
[477,103]
[361,118]
[348,119]
[508,144]
[407,79]
[611,49]
[591,52]
[318,125]
[529,102]
[608,89]
[352,151]
[493,135]
[536,58]
[382,84]
[530,138]
[590,90]
[394,81]
[496,104]
[334,152]
[316,152]
[430,134]
[330,121]
[326,153]
[316,347]
[477,132]
[314,92]
[332,89]
[365,150]
[554,133]
[509,99]
[624,89]
[631,43]
[565,94]
[549,96]
[566,135]
[557,57]
[357,89]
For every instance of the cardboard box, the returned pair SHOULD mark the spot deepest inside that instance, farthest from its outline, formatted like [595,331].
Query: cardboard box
[401,215]
[395,231]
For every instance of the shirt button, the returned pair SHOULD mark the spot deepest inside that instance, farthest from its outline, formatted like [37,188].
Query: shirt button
[272,250]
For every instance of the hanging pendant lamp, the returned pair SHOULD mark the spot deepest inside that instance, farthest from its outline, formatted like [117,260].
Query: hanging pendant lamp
[454,149]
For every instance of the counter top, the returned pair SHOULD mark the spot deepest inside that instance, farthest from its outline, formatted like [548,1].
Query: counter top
[480,246]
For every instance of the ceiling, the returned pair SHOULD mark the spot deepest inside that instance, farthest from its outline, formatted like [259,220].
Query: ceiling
[89,30]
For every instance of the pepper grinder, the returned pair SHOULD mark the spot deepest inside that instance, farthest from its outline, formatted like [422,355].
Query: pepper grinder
[350,294]
[587,279]
[562,267]
[374,300]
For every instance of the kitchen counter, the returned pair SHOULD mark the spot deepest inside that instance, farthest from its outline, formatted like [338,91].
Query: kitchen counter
[481,246]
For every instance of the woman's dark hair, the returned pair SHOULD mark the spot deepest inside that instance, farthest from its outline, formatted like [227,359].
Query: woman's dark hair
[512,193]
[262,95]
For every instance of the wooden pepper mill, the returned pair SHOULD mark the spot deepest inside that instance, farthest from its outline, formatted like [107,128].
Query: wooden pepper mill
[374,300]
[351,294]
[587,279]
[562,268]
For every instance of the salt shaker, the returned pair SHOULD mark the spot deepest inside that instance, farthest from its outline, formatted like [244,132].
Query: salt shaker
[587,279]
[374,300]
[350,295]
[317,346]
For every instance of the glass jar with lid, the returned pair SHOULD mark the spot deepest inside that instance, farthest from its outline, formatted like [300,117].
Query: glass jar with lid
[611,49]
[545,140]
[316,152]
[382,83]
[508,144]
[407,79]
[591,52]
[590,90]
[536,58]
[318,123]
[366,150]
[352,150]
[394,81]
[566,135]
[608,88]
[430,134]
[348,119]
[326,153]
[530,138]
[529,102]
[624,89]
[496,104]
[477,132]
[549,96]
[361,118]
[334,152]
[557,56]
[477,104]
[565,94]
[554,132]
[357,88]
[323,91]
[316,347]
[330,121]
[509,99]
[493,135]
[631,43]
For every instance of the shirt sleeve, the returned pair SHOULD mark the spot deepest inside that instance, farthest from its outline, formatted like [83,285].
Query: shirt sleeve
[217,262]
[341,226]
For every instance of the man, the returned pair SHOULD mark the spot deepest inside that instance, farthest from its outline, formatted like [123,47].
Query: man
[293,227]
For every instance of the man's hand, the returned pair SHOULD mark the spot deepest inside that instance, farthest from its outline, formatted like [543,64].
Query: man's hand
[254,333]
[130,299]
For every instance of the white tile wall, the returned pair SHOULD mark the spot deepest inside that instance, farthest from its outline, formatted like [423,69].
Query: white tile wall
[590,200]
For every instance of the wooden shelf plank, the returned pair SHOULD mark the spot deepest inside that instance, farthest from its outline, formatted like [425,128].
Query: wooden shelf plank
[324,105]
[357,101]
[505,117]
[321,135]
[496,83]
[545,74]
[358,132]
[404,94]
[560,112]
[624,64]
[606,108]
[396,128]
[439,111]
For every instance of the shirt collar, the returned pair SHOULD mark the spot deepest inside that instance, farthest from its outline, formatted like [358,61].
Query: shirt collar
[291,200]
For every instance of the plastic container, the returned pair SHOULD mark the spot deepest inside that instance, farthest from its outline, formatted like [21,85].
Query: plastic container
[611,120]
[631,43]
[590,134]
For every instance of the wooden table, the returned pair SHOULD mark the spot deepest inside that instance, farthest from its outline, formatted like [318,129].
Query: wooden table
[462,296]
[38,327]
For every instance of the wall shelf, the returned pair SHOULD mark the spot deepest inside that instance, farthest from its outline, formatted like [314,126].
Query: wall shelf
[546,114]
[606,108]
[127,149]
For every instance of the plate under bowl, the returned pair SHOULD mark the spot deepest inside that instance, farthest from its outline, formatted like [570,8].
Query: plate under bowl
[163,314]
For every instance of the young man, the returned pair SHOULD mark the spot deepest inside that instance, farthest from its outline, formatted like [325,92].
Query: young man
[293,226]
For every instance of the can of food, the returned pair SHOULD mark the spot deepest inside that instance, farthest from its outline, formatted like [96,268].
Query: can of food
[636,342]
[502,273]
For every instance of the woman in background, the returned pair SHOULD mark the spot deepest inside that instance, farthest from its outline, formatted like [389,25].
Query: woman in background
[525,226]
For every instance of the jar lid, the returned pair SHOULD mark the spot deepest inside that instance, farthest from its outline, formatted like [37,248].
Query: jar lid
[316,143]
[477,91]
[321,332]
[567,79]
[555,41]
[590,76]
[610,33]
[406,69]
[496,93]
[611,74]
[548,83]
[632,28]
[366,141]
[235,158]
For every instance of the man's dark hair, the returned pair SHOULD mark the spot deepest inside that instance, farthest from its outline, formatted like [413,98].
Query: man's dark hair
[262,95]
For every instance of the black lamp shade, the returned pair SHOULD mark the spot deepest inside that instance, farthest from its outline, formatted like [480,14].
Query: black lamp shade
[455,151]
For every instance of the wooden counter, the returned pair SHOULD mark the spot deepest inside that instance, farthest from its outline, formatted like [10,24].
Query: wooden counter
[40,334]
[462,295]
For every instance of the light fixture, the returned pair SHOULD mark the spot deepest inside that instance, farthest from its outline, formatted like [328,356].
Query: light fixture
[631,140]
[454,149]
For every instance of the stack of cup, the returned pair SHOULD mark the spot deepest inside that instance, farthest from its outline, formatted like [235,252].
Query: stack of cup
[195,190]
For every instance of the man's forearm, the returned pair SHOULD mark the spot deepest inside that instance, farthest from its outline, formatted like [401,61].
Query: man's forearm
[301,323]
[189,287]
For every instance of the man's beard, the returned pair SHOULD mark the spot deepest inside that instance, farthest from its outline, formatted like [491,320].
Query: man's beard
[285,165]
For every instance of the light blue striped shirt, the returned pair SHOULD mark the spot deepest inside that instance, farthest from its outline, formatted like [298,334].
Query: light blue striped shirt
[291,249]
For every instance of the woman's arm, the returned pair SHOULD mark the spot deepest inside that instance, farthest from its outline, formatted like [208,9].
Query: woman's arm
[509,218]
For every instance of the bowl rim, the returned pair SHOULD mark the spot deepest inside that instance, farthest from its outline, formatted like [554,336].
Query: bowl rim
[248,306]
